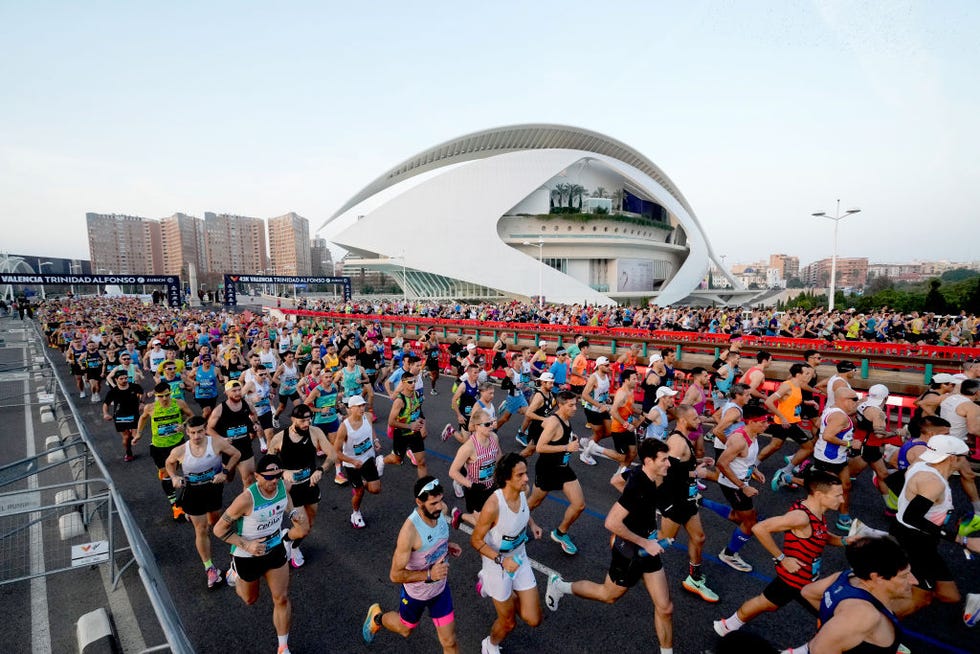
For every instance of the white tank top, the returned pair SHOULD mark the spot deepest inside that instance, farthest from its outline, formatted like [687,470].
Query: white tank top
[510,533]
[947,411]
[832,391]
[265,520]
[831,452]
[741,466]
[601,391]
[268,360]
[939,512]
[360,442]
[201,469]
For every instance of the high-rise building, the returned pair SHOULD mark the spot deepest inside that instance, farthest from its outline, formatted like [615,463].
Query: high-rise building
[321,261]
[235,244]
[851,272]
[183,245]
[124,244]
[788,266]
[289,244]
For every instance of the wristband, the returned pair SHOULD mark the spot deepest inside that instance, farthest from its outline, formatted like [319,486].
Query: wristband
[499,559]
[226,471]
[778,559]
[428,575]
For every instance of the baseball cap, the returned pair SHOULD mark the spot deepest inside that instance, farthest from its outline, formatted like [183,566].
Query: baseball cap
[542,343]
[601,361]
[665,391]
[546,377]
[356,400]
[943,378]
[269,463]
[232,383]
[302,411]
[155,341]
[940,447]
[655,357]
[205,357]
[876,395]
[470,346]
[120,373]
[846,366]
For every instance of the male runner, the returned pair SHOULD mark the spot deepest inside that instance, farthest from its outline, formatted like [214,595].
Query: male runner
[552,472]
[287,377]
[202,477]
[93,363]
[635,551]
[252,525]
[204,379]
[845,372]
[623,426]
[729,417]
[499,537]
[514,383]
[540,406]
[125,400]
[798,561]
[835,444]
[658,417]
[166,417]
[580,368]
[963,413]
[787,405]
[358,449]
[595,399]
[755,375]
[407,424]
[419,565]
[235,420]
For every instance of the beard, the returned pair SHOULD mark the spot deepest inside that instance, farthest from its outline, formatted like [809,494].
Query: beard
[304,432]
[434,515]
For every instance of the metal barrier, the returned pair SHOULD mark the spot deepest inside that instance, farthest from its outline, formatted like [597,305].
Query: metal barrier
[111,503]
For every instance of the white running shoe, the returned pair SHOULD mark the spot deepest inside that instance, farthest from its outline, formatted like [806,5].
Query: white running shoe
[297,560]
[860,530]
[735,561]
[458,489]
[275,422]
[971,610]
[379,463]
[263,446]
[82,395]
[231,577]
[447,432]
[486,647]
[357,520]
[585,456]
[95,398]
[722,628]
[552,595]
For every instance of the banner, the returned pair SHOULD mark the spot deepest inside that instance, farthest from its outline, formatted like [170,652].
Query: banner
[172,282]
[232,281]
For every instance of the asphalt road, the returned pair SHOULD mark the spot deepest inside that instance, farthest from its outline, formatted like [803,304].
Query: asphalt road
[346,570]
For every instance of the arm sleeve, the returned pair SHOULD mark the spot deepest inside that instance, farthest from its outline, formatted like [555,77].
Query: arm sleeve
[915,516]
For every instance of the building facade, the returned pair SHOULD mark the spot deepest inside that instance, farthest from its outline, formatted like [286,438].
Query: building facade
[321,259]
[788,266]
[184,245]
[122,244]
[851,272]
[289,245]
[235,244]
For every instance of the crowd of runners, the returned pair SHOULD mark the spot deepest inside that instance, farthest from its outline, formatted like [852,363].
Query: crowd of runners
[270,405]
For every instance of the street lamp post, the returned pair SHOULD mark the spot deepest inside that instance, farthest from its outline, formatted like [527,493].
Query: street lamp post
[40,270]
[540,246]
[837,217]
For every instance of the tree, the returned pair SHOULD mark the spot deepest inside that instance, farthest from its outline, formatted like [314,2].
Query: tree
[879,284]
[600,193]
[575,191]
[958,274]
[794,282]
[617,198]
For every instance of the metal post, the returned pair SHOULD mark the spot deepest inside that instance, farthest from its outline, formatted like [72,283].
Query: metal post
[833,265]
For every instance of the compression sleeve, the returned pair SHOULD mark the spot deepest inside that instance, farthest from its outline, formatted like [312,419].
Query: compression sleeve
[915,516]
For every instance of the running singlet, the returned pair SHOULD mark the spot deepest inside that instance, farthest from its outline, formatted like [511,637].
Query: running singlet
[468,398]
[300,457]
[201,469]
[510,533]
[657,430]
[288,380]
[741,466]
[738,424]
[557,459]
[435,545]
[939,512]
[360,442]
[678,484]
[326,398]
[841,590]
[600,392]
[805,550]
[265,520]
[176,387]
[261,403]
[626,413]
[166,425]
[831,452]
[411,411]
[205,383]
[350,381]
[791,406]
[480,470]
[234,424]
[534,427]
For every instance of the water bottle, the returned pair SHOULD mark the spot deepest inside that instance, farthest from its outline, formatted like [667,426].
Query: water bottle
[519,561]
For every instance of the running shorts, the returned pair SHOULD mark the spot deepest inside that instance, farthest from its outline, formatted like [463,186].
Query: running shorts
[252,568]
[627,571]
[201,499]
[359,476]
[928,566]
[514,403]
[477,495]
[401,444]
[551,478]
[500,586]
[736,498]
[440,607]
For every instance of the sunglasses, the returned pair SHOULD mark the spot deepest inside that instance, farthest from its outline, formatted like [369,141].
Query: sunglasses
[432,487]
[487,424]
[162,394]
[270,477]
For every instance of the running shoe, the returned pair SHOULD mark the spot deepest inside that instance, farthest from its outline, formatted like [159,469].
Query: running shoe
[433,392]
[379,463]
[501,407]
[372,623]
[339,478]
[458,489]
[486,647]
[552,595]
[297,560]
[231,577]
[735,561]
[82,395]
[179,515]
[479,584]
[288,546]
[263,446]
[722,628]
[700,588]
[971,610]
[521,438]
[357,520]
[566,543]
[283,649]
[457,515]
[275,422]
[585,456]
[844,522]
[214,577]
[411,457]
[860,530]
[95,398]
[970,527]
[709,437]
[447,432]
[128,458]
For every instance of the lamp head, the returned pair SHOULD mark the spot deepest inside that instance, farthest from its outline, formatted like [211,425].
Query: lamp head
[850,211]
[819,213]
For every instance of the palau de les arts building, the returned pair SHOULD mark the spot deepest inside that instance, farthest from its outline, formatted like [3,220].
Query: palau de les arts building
[505,212]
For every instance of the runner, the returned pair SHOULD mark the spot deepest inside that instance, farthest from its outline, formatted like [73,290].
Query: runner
[729,417]
[419,565]
[257,392]
[432,354]
[94,364]
[624,425]
[166,417]
[756,375]
[235,420]
[204,379]
[358,449]
[287,378]
[126,402]
[465,395]
[787,405]
[200,485]
[325,398]
[354,381]
[540,406]
[252,525]
[514,384]
[555,447]
[698,391]
[835,444]
[658,417]
[499,536]
[635,551]
[963,413]
[407,424]
[595,399]
[845,372]
[477,456]
[580,368]
[297,448]
[798,562]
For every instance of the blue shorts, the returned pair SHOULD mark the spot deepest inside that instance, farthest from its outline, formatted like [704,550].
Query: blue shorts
[328,427]
[513,403]
[440,607]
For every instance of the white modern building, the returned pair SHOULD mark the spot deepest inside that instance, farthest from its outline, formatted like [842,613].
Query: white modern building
[527,211]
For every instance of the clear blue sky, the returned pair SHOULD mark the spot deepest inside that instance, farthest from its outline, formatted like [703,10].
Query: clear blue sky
[762,113]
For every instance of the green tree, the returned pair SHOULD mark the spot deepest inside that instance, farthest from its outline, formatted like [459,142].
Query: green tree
[958,275]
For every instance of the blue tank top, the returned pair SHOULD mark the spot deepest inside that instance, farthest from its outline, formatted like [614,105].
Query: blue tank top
[841,590]
[205,383]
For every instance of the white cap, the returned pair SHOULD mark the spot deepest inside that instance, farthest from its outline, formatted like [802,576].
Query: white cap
[355,400]
[876,395]
[542,343]
[470,346]
[943,378]
[665,391]
[655,357]
[959,377]
[546,376]
[156,341]
[940,447]
[601,361]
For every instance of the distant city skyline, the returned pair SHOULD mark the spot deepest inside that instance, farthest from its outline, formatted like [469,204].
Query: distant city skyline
[762,114]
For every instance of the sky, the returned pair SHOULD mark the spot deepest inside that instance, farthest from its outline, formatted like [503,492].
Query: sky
[761,113]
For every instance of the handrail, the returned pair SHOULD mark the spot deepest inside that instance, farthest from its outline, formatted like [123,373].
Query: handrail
[163,604]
